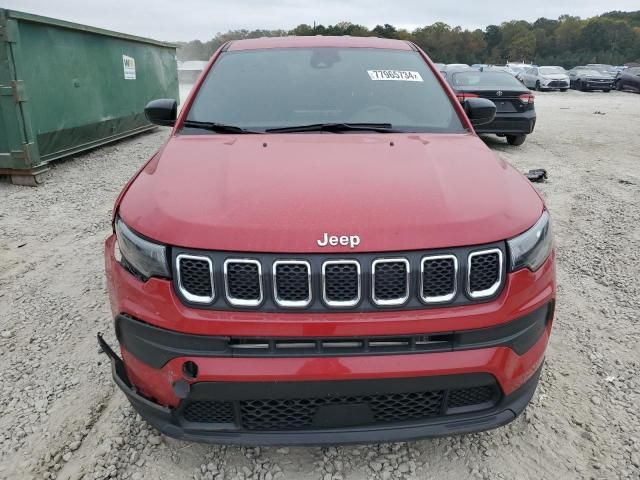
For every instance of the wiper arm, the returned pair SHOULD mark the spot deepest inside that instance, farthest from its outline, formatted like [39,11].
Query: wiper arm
[336,127]
[216,127]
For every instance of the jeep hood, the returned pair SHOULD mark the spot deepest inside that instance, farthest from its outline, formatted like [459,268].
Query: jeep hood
[281,193]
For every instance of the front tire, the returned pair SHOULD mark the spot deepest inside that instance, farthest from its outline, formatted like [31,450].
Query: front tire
[516,140]
[581,86]
[538,87]
[564,89]
[606,91]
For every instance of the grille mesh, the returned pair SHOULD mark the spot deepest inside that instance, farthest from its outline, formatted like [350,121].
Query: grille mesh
[243,281]
[390,280]
[292,282]
[195,276]
[464,397]
[438,277]
[293,414]
[341,282]
[209,411]
[485,271]
[300,413]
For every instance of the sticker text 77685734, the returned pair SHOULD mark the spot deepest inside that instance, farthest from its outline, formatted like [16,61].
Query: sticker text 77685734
[398,75]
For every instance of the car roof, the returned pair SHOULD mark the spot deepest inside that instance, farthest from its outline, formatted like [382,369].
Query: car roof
[318,41]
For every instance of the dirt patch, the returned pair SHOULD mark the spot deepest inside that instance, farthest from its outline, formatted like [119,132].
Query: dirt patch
[61,417]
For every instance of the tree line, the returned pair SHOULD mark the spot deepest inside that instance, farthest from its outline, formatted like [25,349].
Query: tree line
[612,38]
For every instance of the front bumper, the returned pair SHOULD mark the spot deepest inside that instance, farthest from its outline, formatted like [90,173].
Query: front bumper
[498,345]
[459,420]
[597,85]
[555,84]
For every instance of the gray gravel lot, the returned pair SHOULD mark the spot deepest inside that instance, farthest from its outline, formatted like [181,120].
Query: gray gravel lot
[62,417]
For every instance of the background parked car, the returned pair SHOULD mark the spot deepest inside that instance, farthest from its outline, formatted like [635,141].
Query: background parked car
[454,67]
[585,79]
[515,113]
[608,70]
[519,68]
[499,68]
[629,79]
[546,78]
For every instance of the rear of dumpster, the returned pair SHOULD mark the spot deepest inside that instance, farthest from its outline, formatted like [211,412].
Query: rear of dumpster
[66,87]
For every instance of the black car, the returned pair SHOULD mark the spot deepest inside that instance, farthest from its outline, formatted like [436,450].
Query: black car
[515,113]
[586,79]
[629,79]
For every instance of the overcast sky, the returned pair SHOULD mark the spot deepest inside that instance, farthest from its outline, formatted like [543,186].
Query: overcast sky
[202,19]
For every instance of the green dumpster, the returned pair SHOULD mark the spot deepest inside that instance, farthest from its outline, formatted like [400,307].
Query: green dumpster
[66,87]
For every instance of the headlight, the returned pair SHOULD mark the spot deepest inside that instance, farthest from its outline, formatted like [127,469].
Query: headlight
[533,247]
[147,258]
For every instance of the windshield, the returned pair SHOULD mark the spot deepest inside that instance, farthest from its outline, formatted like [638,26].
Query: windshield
[603,68]
[485,80]
[274,88]
[551,70]
[589,72]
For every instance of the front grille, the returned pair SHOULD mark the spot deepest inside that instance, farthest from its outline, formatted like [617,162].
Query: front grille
[341,283]
[196,278]
[558,84]
[439,278]
[243,280]
[324,282]
[292,283]
[390,281]
[300,413]
[485,272]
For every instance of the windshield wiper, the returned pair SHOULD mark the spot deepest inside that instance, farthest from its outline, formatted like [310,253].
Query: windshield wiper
[216,127]
[336,127]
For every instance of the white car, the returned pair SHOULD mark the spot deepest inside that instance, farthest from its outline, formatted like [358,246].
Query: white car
[546,78]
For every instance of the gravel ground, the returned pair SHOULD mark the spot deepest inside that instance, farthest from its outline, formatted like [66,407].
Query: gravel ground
[62,417]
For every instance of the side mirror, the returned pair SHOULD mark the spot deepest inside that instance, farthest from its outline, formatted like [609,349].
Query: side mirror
[163,111]
[480,110]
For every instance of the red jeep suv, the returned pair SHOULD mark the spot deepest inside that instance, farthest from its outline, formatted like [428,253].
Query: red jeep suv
[325,252]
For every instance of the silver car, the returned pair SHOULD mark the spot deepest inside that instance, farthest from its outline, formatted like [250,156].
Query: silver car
[546,78]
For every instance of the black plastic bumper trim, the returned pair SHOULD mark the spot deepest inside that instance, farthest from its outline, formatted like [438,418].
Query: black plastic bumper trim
[164,419]
[156,346]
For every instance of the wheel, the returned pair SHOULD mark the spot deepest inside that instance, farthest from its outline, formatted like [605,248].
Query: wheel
[516,140]
[564,89]
[580,86]
[538,88]
[606,91]
[619,86]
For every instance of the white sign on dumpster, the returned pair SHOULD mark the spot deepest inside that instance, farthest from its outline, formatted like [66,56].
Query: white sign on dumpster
[129,64]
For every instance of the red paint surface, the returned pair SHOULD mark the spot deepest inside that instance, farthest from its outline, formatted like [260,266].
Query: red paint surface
[226,192]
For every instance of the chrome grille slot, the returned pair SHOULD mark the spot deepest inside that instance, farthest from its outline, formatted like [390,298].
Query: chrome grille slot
[341,286]
[243,282]
[390,281]
[195,277]
[292,283]
[484,273]
[438,274]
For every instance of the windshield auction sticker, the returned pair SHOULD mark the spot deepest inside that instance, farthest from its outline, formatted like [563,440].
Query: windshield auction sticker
[398,75]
